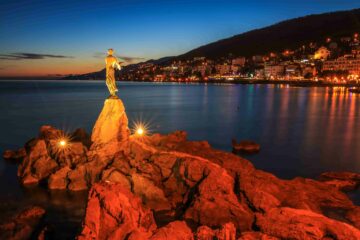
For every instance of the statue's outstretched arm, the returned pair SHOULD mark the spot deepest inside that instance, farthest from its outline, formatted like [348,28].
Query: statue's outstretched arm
[116,65]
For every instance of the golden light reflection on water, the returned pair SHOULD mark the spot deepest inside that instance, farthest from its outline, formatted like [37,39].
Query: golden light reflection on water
[313,123]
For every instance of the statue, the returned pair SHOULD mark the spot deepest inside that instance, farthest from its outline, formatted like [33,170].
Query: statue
[111,64]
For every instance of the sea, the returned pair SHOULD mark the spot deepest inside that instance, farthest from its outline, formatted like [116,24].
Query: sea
[303,131]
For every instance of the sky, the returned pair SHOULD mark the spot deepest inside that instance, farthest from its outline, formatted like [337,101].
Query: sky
[51,38]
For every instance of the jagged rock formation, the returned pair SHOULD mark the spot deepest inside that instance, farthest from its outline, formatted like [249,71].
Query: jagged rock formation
[345,181]
[114,213]
[194,191]
[23,225]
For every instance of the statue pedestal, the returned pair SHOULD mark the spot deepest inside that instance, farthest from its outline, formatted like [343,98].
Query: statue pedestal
[111,131]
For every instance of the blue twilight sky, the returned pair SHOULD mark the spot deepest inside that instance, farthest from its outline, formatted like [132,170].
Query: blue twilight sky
[72,36]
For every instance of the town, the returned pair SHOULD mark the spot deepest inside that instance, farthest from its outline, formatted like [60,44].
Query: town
[335,60]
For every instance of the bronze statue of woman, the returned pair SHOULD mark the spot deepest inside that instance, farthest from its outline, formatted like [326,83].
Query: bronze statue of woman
[111,64]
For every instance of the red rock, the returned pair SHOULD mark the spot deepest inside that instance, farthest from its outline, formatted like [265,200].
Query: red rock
[177,230]
[353,216]
[50,133]
[342,185]
[214,202]
[203,187]
[226,232]
[44,167]
[289,223]
[113,212]
[77,178]
[345,181]
[340,176]
[121,163]
[74,154]
[59,179]
[152,196]
[169,141]
[205,233]
[80,135]
[115,176]
[17,155]
[232,163]
[264,191]
[23,225]
[37,165]
[256,236]
[245,146]
[164,162]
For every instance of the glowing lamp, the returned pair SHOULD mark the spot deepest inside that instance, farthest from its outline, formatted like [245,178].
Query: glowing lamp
[62,143]
[140,131]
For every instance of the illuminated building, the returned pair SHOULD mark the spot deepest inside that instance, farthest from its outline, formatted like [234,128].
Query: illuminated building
[322,54]
[348,63]
[240,61]
[274,71]
[222,69]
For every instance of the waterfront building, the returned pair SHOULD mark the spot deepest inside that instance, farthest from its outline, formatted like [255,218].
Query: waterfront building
[293,71]
[222,69]
[240,61]
[274,71]
[348,63]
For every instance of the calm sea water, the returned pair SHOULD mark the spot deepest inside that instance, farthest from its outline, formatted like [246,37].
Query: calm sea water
[302,131]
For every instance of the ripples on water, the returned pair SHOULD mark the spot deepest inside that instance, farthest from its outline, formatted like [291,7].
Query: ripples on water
[302,131]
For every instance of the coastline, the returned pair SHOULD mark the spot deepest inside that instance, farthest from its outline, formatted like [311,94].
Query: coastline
[295,83]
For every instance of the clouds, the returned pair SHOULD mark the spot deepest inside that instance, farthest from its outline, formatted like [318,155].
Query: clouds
[29,56]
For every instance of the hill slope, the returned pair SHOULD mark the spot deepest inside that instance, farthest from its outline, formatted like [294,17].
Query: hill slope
[288,34]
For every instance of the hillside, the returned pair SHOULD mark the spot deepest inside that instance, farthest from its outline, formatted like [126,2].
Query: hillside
[288,34]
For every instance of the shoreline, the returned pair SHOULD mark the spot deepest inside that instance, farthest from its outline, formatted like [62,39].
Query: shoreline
[295,83]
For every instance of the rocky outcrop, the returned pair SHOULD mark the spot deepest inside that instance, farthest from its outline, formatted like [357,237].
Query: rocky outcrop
[187,188]
[344,181]
[245,146]
[22,226]
[47,160]
[14,155]
[112,212]
[289,223]
[177,230]
[256,236]
[226,231]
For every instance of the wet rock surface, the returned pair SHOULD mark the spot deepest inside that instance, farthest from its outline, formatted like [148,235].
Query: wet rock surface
[345,181]
[194,191]
[245,146]
[24,225]
[14,155]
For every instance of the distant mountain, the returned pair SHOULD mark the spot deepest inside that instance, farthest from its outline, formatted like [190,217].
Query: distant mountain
[288,34]
[102,73]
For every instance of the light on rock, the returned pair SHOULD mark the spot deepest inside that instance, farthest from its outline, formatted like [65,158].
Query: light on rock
[140,131]
[62,143]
